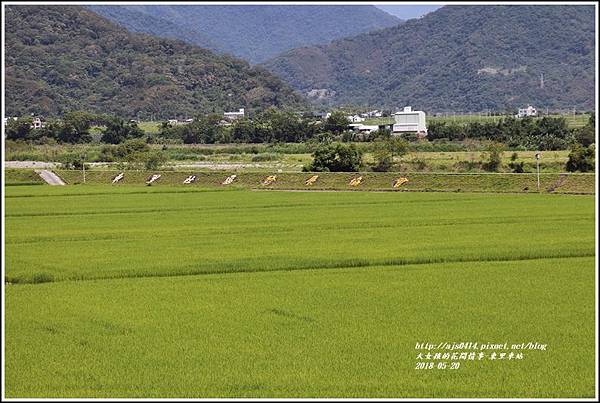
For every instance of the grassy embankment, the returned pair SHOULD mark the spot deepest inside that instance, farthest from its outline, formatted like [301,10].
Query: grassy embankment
[557,183]
[22,177]
[499,183]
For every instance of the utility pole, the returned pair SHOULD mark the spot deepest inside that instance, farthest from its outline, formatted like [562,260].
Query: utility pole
[542,81]
[83,166]
[537,159]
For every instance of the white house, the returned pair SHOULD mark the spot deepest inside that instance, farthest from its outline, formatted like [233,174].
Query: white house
[234,115]
[355,119]
[322,115]
[529,111]
[37,123]
[372,114]
[409,121]
[366,129]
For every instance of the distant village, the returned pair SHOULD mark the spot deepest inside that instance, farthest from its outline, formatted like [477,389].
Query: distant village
[405,121]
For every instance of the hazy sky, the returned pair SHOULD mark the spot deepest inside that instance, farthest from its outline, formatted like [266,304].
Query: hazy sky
[407,12]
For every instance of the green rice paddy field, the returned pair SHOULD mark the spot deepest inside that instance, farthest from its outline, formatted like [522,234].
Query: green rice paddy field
[136,291]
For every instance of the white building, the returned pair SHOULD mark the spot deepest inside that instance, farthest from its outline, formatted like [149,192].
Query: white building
[409,121]
[372,114]
[365,129]
[322,115]
[37,123]
[529,111]
[355,119]
[234,115]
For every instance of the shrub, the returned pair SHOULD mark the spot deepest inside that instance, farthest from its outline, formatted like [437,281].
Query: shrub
[419,164]
[71,161]
[467,166]
[517,167]
[265,157]
[494,157]
[154,160]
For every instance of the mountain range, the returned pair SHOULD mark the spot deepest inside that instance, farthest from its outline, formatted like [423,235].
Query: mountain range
[458,58]
[252,32]
[62,58]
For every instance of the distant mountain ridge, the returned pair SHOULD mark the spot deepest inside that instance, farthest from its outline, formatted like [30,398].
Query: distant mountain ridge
[252,32]
[62,58]
[458,58]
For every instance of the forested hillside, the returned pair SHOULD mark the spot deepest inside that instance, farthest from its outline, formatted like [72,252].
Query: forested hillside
[62,58]
[458,58]
[252,32]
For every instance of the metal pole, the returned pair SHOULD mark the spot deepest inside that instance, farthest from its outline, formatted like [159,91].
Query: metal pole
[537,159]
[83,166]
[538,175]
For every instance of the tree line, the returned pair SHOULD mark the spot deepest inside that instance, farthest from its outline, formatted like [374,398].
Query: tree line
[277,126]
[545,134]
[330,137]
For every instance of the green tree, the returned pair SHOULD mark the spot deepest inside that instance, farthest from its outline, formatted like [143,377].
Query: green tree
[75,127]
[336,123]
[244,131]
[285,126]
[117,131]
[335,157]
[204,130]
[385,148]
[581,159]
[586,135]
[19,129]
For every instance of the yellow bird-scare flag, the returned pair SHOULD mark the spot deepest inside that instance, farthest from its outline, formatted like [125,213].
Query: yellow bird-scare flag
[229,180]
[312,179]
[269,179]
[356,181]
[399,182]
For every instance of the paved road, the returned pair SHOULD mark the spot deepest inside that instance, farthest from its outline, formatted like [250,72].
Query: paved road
[30,164]
[50,177]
